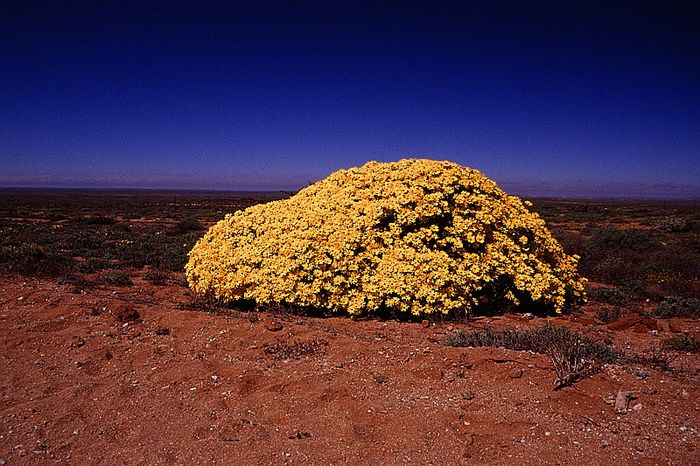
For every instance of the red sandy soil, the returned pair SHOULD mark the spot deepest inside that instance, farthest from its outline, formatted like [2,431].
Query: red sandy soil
[79,386]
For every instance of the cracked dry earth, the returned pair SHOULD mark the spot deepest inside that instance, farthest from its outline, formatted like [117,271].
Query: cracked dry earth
[82,382]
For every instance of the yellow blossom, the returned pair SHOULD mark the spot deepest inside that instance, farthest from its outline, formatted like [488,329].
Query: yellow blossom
[415,236]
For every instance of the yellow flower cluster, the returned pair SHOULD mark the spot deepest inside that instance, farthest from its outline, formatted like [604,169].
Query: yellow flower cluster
[416,236]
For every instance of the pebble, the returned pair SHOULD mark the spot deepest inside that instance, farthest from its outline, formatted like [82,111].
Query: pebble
[622,401]
[516,373]
[273,326]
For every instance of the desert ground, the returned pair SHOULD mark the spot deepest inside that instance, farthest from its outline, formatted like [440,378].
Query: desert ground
[107,357]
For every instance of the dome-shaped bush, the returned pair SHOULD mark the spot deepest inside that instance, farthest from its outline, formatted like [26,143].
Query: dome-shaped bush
[414,236]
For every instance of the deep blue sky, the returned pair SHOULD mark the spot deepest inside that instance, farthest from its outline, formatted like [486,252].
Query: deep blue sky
[560,98]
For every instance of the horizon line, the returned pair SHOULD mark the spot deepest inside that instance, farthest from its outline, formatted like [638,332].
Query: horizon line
[552,196]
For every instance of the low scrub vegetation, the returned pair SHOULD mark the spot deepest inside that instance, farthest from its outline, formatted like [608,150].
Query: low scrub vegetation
[654,261]
[573,356]
[113,277]
[608,316]
[637,250]
[55,233]
[158,277]
[683,343]
[33,259]
[672,224]
[614,296]
[678,306]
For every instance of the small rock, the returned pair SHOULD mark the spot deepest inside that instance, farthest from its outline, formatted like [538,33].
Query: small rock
[516,373]
[425,323]
[625,322]
[78,342]
[215,378]
[468,440]
[127,314]
[529,315]
[639,372]
[162,331]
[650,324]
[637,407]
[273,326]
[622,401]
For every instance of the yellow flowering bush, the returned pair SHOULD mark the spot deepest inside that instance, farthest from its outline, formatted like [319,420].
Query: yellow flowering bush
[414,236]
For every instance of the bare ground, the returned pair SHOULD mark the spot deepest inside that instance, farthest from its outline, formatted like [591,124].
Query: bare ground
[78,385]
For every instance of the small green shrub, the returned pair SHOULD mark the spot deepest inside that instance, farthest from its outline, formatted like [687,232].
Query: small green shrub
[608,315]
[34,259]
[614,296]
[613,267]
[202,303]
[614,239]
[573,356]
[77,283]
[93,265]
[615,256]
[157,277]
[673,224]
[186,225]
[114,277]
[686,343]
[678,306]
[99,220]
